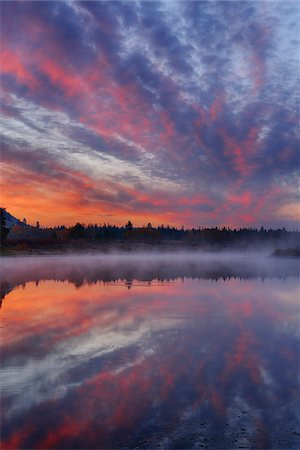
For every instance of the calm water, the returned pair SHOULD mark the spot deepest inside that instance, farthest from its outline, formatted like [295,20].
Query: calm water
[175,351]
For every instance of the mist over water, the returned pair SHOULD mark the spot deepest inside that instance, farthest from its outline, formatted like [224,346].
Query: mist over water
[80,269]
[179,350]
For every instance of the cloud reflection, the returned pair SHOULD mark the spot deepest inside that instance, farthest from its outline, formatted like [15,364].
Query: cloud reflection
[173,364]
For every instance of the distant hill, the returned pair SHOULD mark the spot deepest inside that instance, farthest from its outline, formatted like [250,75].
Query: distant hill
[10,220]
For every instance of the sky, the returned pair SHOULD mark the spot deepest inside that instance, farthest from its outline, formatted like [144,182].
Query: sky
[180,113]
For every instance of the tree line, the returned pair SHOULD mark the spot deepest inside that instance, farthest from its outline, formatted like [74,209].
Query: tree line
[155,235]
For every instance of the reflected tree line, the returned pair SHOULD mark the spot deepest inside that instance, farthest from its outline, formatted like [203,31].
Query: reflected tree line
[132,273]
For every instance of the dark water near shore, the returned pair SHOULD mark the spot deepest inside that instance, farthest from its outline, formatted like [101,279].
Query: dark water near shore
[175,351]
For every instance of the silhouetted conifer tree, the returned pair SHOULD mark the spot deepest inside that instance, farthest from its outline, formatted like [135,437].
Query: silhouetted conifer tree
[4,230]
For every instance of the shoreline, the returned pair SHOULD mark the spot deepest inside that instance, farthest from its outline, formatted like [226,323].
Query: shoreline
[38,248]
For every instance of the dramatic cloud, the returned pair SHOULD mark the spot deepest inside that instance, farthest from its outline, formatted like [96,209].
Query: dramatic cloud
[179,112]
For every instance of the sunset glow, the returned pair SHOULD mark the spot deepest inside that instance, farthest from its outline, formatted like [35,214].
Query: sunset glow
[182,113]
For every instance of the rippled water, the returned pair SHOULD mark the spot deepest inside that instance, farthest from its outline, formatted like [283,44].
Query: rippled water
[175,351]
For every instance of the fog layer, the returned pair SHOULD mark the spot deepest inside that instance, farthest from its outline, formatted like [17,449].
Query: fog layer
[79,269]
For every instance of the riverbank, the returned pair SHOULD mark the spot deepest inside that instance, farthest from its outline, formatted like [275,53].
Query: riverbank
[43,247]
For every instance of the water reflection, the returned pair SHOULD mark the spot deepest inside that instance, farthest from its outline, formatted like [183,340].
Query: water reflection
[172,364]
[143,267]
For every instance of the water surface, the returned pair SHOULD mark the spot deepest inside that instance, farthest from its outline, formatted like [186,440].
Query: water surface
[170,351]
